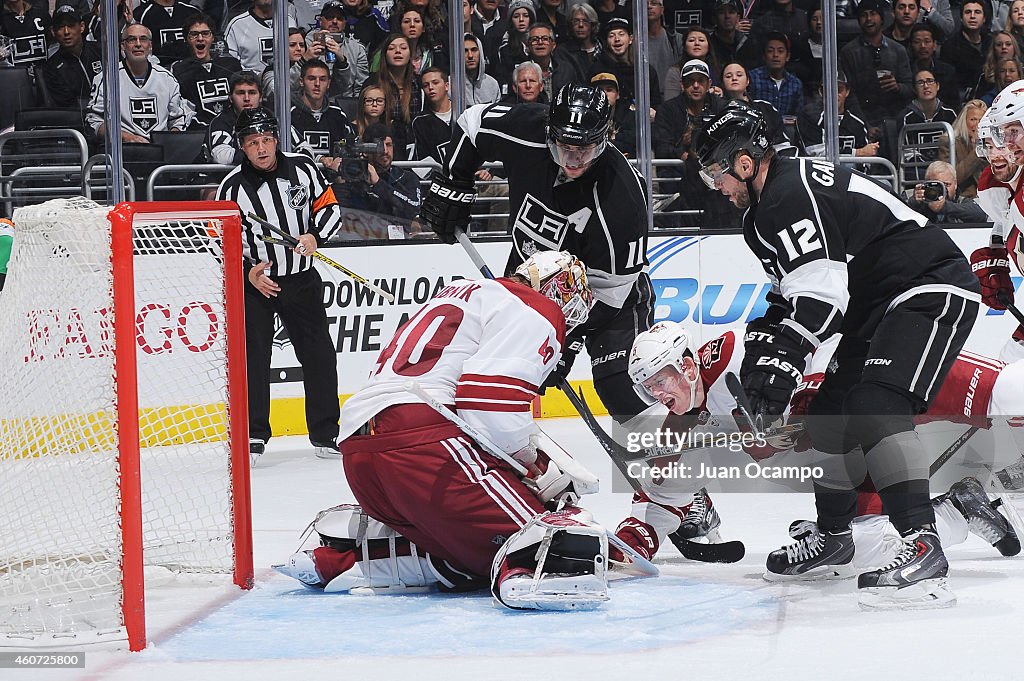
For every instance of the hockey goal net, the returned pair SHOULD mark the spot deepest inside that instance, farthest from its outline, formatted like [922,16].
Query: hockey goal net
[123,432]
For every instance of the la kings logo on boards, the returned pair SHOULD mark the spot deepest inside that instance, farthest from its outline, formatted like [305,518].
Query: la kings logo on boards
[213,94]
[538,226]
[298,196]
[143,111]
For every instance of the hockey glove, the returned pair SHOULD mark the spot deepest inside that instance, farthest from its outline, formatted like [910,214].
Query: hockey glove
[773,363]
[800,406]
[992,267]
[447,205]
[561,371]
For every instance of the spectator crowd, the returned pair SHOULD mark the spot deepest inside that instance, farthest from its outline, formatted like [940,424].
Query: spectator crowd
[376,72]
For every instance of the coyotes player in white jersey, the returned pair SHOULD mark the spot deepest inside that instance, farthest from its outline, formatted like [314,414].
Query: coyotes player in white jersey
[684,380]
[483,348]
[999,194]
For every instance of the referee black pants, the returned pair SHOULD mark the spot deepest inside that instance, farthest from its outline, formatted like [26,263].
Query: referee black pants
[872,390]
[299,304]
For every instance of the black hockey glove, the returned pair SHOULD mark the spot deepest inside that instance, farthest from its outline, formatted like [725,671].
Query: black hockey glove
[773,363]
[447,206]
[561,371]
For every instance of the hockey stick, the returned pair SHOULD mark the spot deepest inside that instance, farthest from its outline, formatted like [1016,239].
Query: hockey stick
[481,439]
[643,566]
[743,413]
[951,450]
[473,254]
[1013,309]
[288,240]
[724,552]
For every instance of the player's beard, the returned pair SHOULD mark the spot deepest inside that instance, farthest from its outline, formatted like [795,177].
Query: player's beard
[741,199]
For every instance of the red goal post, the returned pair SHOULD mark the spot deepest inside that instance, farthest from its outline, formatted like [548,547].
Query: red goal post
[124,445]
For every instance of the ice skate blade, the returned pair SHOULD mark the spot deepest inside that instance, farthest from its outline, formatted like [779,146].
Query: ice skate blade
[818,574]
[928,594]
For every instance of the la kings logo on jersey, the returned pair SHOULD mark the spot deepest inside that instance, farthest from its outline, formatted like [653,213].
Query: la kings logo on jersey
[213,94]
[537,223]
[143,111]
[171,35]
[266,49]
[319,140]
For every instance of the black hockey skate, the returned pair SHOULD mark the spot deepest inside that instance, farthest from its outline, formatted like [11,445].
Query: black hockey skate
[701,519]
[814,555]
[1011,478]
[914,579]
[969,497]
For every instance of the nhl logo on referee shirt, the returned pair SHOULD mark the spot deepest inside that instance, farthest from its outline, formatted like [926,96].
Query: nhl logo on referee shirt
[298,196]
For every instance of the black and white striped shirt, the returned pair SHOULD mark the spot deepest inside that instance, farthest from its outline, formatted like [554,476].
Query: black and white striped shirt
[295,197]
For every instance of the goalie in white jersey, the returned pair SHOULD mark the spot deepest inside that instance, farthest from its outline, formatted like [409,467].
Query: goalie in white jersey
[438,505]
[667,367]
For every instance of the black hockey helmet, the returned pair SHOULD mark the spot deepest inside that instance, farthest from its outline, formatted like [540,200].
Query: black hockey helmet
[720,137]
[578,123]
[252,121]
[579,115]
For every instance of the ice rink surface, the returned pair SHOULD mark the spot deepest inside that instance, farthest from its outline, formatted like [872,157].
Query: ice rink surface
[695,621]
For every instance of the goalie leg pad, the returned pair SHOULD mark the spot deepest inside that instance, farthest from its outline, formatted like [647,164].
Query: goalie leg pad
[385,561]
[557,561]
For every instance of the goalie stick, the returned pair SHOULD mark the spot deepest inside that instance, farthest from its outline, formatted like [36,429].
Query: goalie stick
[725,552]
[641,565]
[289,240]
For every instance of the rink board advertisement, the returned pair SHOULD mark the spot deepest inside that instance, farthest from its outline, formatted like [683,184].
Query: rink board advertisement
[714,282]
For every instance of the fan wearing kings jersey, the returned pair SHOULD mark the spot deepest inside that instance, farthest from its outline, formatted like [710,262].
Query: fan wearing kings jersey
[845,255]
[483,348]
[568,190]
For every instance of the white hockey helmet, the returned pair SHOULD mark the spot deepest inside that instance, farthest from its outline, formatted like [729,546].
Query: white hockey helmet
[664,344]
[562,277]
[1007,107]
[987,147]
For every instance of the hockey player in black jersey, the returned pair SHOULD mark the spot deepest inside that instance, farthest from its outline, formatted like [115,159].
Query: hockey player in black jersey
[569,190]
[844,255]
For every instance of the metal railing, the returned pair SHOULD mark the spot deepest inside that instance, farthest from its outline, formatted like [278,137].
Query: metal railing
[50,174]
[153,184]
[915,157]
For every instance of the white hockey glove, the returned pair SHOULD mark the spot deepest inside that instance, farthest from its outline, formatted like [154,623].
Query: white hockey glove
[552,472]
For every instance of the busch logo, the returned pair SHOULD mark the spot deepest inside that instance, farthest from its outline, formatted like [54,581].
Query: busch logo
[143,112]
[541,224]
[711,353]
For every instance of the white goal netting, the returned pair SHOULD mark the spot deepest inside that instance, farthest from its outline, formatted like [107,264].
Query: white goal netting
[65,496]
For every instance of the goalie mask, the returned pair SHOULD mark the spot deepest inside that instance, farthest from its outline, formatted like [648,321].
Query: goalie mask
[666,344]
[562,277]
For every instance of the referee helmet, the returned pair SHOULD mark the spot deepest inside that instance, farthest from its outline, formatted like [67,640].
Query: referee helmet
[253,121]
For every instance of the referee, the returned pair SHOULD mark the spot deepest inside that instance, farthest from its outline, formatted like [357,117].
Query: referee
[288,191]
